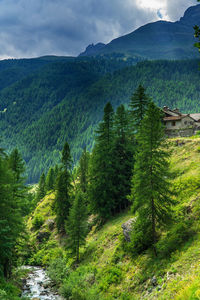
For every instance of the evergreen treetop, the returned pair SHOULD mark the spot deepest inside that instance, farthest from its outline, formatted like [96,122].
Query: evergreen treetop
[138,106]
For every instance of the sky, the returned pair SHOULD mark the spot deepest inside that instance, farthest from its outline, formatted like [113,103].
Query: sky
[32,28]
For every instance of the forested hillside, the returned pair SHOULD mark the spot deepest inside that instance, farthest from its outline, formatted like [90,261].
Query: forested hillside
[109,265]
[63,101]
[134,178]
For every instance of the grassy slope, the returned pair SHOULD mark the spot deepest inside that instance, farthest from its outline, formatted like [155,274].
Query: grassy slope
[107,272]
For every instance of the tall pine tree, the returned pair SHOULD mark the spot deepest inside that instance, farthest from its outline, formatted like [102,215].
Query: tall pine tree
[83,170]
[41,190]
[122,152]
[150,194]
[11,221]
[19,189]
[50,180]
[76,226]
[101,168]
[62,201]
[138,106]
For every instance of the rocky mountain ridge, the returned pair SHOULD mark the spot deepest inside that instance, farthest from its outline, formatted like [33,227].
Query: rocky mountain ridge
[157,40]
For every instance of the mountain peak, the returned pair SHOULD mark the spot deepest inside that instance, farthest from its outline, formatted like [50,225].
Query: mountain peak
[191,15]
[92,49]
[157,40]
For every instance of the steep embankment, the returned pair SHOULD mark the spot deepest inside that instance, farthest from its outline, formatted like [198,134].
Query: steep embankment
[107,269]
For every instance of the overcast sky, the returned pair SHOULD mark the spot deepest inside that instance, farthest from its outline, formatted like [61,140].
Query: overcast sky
[31,28]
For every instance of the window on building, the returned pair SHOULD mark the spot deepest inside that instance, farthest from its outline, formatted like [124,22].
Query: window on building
[173,123]
[185,122]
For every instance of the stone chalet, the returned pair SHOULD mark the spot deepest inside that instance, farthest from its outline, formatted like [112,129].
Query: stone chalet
[178,124]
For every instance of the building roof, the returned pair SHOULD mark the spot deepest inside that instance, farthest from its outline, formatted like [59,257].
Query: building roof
[177,118]
[196,117]
[172,118]
[171,112]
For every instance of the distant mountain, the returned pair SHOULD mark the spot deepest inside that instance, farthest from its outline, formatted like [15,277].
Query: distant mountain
[158,40]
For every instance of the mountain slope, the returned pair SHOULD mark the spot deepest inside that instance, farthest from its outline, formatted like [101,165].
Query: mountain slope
[107,270]
[158,40]
[64,102]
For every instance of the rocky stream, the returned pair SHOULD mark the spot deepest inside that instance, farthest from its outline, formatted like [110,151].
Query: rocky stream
[37,286]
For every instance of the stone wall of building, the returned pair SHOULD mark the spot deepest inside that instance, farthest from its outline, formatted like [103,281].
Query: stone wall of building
[186,132]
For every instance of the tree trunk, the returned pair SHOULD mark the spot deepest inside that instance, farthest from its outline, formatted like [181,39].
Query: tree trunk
[153,226]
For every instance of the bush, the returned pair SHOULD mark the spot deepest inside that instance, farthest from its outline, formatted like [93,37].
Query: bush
[8,291]
[198,132]
[110,275]
[3,295]
[141,238]
[58,270]
[77,284]
[45,255]
[177,236]
[198,149]
[37,222]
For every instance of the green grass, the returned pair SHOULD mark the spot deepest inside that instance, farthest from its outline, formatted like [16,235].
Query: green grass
[107,270]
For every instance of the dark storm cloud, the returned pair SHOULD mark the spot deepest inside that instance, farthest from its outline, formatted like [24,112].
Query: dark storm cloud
[65,27]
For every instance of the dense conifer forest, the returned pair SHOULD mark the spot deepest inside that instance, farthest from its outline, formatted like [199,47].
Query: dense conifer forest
[64,99]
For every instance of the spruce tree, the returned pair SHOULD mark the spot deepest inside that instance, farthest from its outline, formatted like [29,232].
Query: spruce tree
[41,190]
[76,226]
[122,152]
[17,165]
[56,171]
[50,180]
[62,201]
[19,189]
[83,170]
[11,221]
[150,194]
[101,168]
[138,106]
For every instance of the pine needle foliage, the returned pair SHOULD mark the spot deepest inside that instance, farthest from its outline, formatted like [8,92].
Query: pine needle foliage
[138,106]
[122,150]
[151,195]
[41,190]
[76,225]
[101,171]
[62,201]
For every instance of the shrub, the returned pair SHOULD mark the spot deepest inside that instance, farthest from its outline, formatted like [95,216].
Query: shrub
[110,275]
[3,295]
[37,222]
[198,132]
[141,238]
[179,234]
[198,149]
[8,291]
[76,285]
[58,270]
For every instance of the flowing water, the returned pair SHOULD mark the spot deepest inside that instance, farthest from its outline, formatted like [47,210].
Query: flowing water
[38,285]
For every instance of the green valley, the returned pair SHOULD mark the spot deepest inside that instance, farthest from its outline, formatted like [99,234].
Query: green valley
[63,101]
